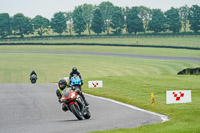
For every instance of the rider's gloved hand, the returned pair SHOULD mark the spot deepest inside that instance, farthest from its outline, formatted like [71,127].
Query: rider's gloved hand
[73,88]
[59,101]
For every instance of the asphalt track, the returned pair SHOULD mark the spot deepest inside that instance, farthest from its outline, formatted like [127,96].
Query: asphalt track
[34,108]
[193,59]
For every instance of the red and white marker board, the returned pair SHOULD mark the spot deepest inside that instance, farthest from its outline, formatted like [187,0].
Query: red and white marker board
[180,96]
[94,84]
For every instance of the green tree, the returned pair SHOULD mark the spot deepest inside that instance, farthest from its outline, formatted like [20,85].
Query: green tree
[157,22]
[87,15]
[21,25]
[145,14]
[134,23]
[173,20]
[40,24]
[58,23]
[184,13]
[68,16]
[97,21]
[117,20]
[194,18]
[4,25]
[79,23]
[107,13]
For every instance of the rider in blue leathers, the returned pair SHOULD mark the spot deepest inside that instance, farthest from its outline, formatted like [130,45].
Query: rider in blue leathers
[75,71]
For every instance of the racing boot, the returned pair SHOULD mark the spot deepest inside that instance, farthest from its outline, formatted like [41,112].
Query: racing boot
[86,103]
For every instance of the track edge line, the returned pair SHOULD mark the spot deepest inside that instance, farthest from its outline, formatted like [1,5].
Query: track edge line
[164,118]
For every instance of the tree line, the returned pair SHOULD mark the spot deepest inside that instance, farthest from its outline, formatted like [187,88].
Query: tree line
[103,18]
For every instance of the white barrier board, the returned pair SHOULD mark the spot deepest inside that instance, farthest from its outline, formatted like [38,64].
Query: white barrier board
[94,84]
[180,96]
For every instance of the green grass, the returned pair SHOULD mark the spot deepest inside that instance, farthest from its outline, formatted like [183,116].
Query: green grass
[16,67]
[127,80]
[107,49]
[187,41]
[137,91]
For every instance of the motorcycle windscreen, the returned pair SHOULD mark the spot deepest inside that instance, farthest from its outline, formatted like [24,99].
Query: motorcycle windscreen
[66,92]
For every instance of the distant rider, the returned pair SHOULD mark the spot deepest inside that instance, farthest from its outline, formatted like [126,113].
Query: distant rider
[75,71]
[32,75]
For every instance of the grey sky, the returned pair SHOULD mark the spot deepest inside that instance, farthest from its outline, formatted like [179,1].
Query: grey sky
[47,8]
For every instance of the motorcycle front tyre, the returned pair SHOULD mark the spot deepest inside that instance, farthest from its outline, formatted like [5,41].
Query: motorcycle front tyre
[76,111]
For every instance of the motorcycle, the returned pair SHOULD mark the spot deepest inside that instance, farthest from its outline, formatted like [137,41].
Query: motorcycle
[33,78]
[76,81]
[74,102]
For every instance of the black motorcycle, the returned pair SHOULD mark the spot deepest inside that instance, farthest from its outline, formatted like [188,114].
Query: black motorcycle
[33,78]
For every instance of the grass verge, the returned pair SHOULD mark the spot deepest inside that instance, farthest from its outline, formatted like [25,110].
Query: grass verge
[188,41]
[136,90]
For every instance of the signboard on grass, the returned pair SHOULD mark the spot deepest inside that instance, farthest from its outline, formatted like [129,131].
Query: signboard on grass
[179,96]
[94,84]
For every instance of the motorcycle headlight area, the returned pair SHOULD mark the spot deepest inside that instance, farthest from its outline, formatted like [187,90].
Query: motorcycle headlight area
[73,95]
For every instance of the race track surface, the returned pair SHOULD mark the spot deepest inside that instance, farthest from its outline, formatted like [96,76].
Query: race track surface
[34,108]
[193,59]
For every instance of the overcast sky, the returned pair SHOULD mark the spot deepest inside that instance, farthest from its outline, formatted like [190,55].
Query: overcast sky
[47,8]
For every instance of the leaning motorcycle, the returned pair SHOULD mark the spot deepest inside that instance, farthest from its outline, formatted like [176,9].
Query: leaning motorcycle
[74,102]
[33,78]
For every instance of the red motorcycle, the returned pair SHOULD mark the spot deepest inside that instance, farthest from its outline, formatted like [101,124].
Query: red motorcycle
[74,102]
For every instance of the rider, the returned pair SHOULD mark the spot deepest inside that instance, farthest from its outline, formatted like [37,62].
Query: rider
[62,84]
[33,73]
[75,71]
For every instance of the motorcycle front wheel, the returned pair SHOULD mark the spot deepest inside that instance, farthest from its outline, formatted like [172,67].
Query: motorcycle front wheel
[33,81]
[76,111]
[87,115]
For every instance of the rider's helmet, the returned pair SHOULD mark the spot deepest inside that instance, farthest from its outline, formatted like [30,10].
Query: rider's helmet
[74,69]
[62,83]
[33,72]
